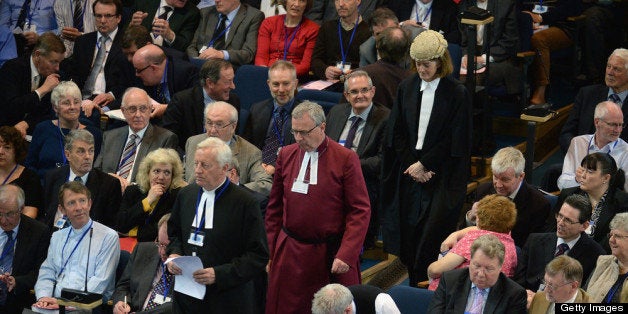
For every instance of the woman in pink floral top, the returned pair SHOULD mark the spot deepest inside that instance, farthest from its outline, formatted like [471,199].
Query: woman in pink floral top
[496,215]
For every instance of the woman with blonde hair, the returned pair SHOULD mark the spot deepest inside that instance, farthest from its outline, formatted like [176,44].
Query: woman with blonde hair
[159,179]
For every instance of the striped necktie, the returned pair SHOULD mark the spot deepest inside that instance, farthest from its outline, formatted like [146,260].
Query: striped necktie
[128,157]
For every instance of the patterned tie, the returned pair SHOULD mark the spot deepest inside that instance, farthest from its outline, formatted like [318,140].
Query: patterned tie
[164,16]
[35,82]
[88,88]
[561,249]
[6,261]
[159,288]
[272,143]
[478,301]
[21,19]
[352,130]
[219,37]
[128,157]
[78,179]
[77,17]
[615,98]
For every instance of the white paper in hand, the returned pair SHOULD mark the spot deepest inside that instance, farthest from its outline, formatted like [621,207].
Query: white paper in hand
[185,283]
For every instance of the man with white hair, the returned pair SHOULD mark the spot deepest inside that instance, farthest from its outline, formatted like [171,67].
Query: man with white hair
[333,299]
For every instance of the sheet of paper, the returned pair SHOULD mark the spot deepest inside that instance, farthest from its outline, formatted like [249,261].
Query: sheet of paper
[185,283]
[318,85]
[115,114]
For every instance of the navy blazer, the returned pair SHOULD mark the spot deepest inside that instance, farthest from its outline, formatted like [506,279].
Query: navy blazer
[444,17]
[539,250]
[506,296]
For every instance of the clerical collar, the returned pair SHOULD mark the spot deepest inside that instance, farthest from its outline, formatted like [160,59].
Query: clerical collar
[432,85]
[218,187]
[364,115]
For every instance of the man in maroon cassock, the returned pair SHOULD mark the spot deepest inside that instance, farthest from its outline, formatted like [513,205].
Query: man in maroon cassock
[317,216]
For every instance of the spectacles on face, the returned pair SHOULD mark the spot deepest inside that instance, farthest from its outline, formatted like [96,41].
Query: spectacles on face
[617,236]
[9,215]
[105,16]
[356,92]
[553,287]
[302,133]
[614,125]
[142,69]
[217,125]
[160,245]
[560,217]
[134,109]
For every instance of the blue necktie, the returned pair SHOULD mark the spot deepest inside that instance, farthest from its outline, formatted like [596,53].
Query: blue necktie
[6,262]
[615,98]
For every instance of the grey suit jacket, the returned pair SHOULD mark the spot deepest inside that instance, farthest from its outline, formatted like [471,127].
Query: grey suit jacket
[252,175]
[241,41]
[113,144]
[136,281]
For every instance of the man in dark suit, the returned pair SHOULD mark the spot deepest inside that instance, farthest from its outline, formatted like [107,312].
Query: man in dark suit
[359,126]
[26,93]
[21,264]
[184,114]
[98,65]
[508,180]
[137,139]
[325,10]
[464,290]
[140,283]
[105,189]
[171,25]
[228,30]
[437,15]
[231,242]
[571,222]
[162,76]
[269,124]
[580,119]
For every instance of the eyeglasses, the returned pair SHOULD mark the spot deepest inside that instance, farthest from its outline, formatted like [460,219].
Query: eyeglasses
[134,109]
[160,245]
[142,69]
[217,125]
[617,236]
[9,215]
[615,125]
[105,16]
[303,133]
[553,287]
[560,217]
[356,92]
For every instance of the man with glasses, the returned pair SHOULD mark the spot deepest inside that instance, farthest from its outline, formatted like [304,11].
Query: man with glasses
[221,121]
[359,125]
[146,284]
[23,243]
[563,276]
[482,287]
[26,83]
[317,216]
[184,115]
[569,239]
[105,189]
[126,146]
[98,66]
[609,124]
[162,76]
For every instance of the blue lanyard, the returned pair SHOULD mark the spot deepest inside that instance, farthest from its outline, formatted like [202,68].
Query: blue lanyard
[610,149]
[276,128]
[223,33]
[198,201]
[287,43]
[131,153]
[416,11]
[65,160]
[614,289]
[31,12]
[342,48]
[164,278]
[10,174]
[164,83]
[74,249]
[8,246]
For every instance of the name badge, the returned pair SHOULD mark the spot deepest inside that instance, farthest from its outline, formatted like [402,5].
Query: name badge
[539,9]
[300,186]
[196,238]
[202,49]
[159,299]
[60,223]
[278,150]
[345,67]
